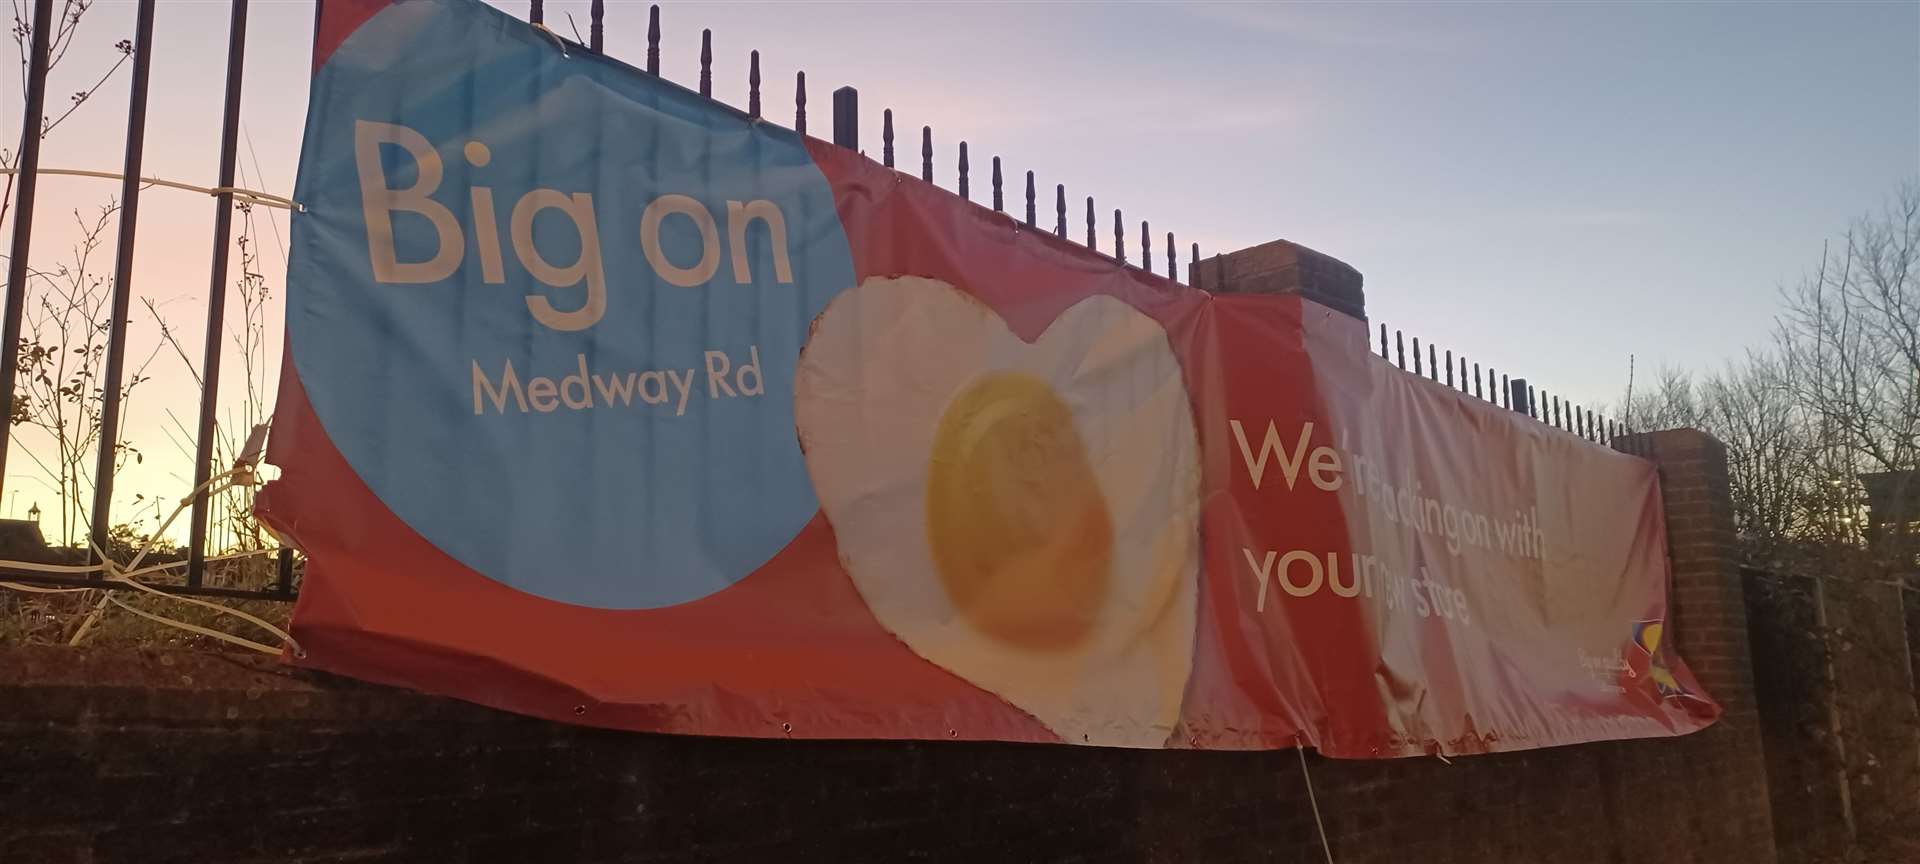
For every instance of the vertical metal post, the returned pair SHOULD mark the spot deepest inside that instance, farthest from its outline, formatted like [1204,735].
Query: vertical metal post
[1517,398]
[1032,215]
[1092,241]
[926,153]
[1060,211]
[596,25]
[283,584]
[1383,327]
[753,84]
[1417,370]
[886,137]
[653,40]
[965,191]
[800,102]
[706,63]
[537,12]
[1172,265]
[846,118]
[122,275]
[1119,237]
[217,295]
[999,193]
[26,178]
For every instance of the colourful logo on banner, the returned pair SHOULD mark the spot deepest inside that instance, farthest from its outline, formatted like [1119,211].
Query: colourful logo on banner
[573,302]
[1646,637]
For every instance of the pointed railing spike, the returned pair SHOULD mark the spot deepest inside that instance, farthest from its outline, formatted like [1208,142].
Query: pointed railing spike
[886,137]
[1146,247]
[1093,241]
[1193,271]
[753,84]
[800,102]
[1400,350]
[1416,356]
[1463,375]
[926,153]
[1119,237]
[1060,211]
[1433,364]
[1533,403]
[1477,392]
[596,25]
[999,189]
[653,40]
[963,172]
[706,63]
[1173,263]
[1449,367]
[1032,214]
[1383,329]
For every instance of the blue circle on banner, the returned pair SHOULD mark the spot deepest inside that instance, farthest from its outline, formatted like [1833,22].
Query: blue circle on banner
[640,456]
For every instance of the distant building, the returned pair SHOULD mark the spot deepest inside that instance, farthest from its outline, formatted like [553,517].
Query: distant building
[20,540]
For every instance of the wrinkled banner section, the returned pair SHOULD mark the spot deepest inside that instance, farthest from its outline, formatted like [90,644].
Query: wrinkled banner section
[607,404]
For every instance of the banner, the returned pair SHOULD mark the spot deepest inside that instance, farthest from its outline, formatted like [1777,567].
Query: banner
[609,404]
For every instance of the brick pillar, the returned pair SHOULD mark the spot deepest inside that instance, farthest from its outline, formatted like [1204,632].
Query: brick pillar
[1725,764]
[1284,267]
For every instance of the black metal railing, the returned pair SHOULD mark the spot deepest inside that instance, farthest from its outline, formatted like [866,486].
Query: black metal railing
[1489,384]
[1515,393]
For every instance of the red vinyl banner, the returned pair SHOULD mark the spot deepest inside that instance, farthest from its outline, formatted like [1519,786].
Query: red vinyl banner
[607,404]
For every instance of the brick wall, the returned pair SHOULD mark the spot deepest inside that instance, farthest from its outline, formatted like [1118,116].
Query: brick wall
[118,756]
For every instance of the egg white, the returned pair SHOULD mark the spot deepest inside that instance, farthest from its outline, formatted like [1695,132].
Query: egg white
[884,362]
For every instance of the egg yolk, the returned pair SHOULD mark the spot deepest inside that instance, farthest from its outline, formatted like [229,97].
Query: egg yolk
[1017,525]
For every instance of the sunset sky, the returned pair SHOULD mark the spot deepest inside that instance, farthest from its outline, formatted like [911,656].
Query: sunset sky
[1545,188]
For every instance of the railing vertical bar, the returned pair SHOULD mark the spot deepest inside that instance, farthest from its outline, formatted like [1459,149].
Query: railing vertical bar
[27,177]
[1146,247]
[1119,237]
[1173,264]
[753,84]
[1383,340]
[1449,367]
[1093,241]
[217,296]
[122,276]
[1060,211]
[800,102]
[596,26]
[1533,403]
[999,190]
[283,572]
[537,12]
[1032,205]
[886,137]
[1416,356]
[1400,350]
[706,63]
[926,153]
[1193,268]
[1477,392]
[653,40]
[1433,363]
[965,191]
[846,118]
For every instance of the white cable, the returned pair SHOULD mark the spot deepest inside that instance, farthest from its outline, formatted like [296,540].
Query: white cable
[195,628]
[1308,776]
[240,474]
[248,196]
